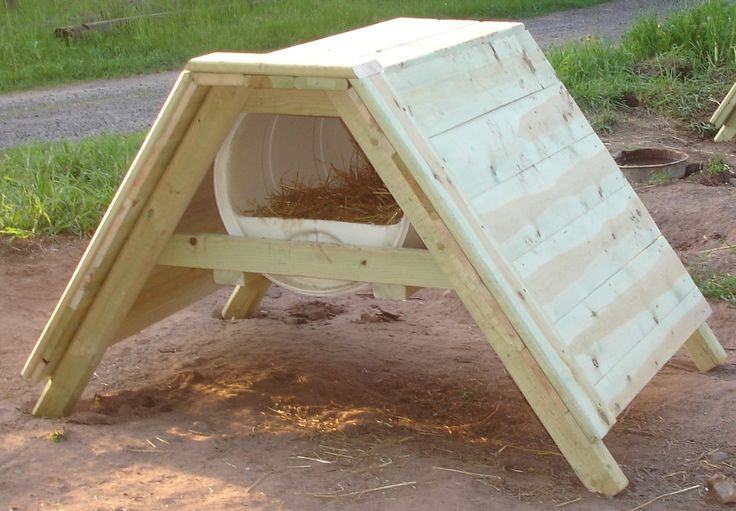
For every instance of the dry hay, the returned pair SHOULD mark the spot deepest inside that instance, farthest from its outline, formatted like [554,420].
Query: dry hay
[355,194]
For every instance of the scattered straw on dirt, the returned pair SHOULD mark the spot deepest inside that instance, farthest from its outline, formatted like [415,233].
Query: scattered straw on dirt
[355,194]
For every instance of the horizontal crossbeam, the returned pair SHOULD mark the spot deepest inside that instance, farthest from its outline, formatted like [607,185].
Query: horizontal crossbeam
[405,266]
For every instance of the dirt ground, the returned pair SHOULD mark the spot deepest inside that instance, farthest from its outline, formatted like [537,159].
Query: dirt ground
[315,404]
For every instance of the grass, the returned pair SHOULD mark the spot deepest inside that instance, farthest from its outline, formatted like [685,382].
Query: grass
[64,187]
[680,67]
[719,286]
[31,56]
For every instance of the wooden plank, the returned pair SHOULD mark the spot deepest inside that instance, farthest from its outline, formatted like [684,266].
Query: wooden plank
[155,153]
[245,299]
[166,291]
[394,291]
[485,255]
[290,102]
[611,321]
[201,214]
[727,131]
[705,350]
[220,79]
[135,260]
[725,109]
[534,204]
[632,373]
[442,43]
[471,80]
[588,457]
[270,82]
[500,144]
[413,267]
[566,267]
[371,42]
[268,64]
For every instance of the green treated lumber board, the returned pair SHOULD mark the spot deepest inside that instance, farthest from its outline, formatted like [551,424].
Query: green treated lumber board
[412,267]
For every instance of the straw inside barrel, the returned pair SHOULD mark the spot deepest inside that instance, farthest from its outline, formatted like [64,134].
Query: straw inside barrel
[355,194]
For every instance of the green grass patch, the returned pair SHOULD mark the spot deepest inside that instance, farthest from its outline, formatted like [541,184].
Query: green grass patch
[62,187]
[720,286]
[31,56]
[680,67]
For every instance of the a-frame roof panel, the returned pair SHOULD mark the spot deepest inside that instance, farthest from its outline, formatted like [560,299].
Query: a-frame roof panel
[356,53]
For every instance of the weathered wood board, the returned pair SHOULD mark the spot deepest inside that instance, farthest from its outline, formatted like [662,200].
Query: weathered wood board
[725,117]
[522,211]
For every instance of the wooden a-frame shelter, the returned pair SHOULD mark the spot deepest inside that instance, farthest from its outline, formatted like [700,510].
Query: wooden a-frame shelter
[522,210]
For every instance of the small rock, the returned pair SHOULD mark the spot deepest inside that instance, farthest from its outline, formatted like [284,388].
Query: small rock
[723,488]
[718,456]
[732,181]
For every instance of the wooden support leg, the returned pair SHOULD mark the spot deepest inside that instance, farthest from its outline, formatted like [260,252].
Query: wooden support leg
[704,348]
[588,457]
[394,291]
[243,302]
[137,257]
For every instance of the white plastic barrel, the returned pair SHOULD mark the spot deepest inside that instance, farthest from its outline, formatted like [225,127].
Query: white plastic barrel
[261,152]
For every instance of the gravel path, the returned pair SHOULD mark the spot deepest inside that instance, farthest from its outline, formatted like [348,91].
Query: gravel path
[129,104]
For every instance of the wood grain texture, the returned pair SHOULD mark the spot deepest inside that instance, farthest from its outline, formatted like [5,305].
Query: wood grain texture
[246,297]
[527,319]
[540,201]
[125,207]
[614,319]
[573,262]
[622,384]
[589,457]
[725,117]
[136,259]
[725,109]
[290,102]
[705,350]
[502,143]
[369,43]
[412,267]
[166,291]
[472,79]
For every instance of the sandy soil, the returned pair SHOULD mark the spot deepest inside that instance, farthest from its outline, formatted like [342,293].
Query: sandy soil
[129,104]
[314,404]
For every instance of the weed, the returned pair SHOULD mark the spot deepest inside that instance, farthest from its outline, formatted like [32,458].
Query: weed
[720,286]
[717,166]
[58,435]
[660,177]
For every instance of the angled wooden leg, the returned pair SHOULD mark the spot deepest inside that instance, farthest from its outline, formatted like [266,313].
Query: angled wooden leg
[244,300]
[704,348]
[138,255]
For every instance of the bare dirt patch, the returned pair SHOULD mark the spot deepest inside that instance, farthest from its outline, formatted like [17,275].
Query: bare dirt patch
[355,395]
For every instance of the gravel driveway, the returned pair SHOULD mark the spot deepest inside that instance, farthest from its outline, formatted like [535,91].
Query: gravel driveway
[129,104]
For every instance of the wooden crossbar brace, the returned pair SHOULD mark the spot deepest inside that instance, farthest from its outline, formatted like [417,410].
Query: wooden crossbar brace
[406,266]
